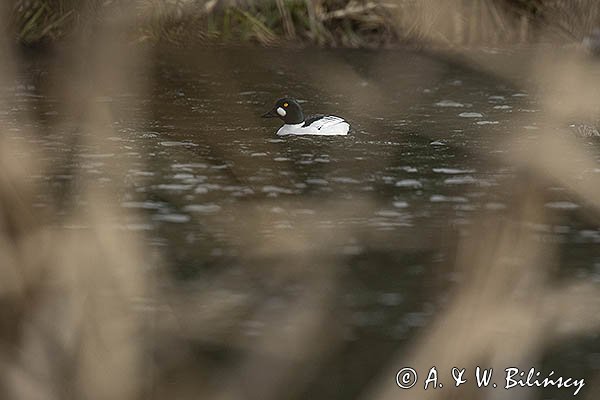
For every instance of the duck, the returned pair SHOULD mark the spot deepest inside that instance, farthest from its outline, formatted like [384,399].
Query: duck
[294,123]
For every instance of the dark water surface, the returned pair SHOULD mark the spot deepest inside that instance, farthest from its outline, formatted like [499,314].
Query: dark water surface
[210,183]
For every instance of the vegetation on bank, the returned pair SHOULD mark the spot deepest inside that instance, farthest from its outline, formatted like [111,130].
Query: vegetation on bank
[335,23]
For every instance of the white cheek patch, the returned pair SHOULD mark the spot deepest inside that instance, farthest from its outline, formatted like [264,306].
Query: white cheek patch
[281,111]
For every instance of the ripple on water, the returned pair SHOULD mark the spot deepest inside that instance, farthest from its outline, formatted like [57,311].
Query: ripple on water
[91,155]
[495,206]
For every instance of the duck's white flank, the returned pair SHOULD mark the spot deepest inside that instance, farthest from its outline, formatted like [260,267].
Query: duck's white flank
[326,126]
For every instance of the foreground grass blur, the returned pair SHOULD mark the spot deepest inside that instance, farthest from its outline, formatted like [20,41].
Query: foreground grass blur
[84,317]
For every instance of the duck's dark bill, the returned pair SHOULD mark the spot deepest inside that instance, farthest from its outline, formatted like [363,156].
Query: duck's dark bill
[271,114]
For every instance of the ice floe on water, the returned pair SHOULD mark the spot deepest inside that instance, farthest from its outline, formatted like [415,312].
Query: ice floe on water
[487,122]
[189,167]
[276,190]
[390,213]
[449,103]
[591,236]
[317,181]
[146,205]
[183,176]
[562,205]
[174,186]
[409,183]
[453,171]
[174,218]
[460,180]
[202,208]
[438,198]
[344,179]
[176,144]
[470,115]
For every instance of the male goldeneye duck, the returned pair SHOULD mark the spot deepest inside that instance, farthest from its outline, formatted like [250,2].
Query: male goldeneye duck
[289,110]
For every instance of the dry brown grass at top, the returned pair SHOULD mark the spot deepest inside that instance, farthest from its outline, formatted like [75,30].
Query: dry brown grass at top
[333,23]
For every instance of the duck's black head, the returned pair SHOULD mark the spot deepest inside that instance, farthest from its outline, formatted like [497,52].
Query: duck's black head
[288,110]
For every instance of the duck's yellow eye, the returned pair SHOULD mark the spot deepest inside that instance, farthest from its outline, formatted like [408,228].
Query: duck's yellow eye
[285,104]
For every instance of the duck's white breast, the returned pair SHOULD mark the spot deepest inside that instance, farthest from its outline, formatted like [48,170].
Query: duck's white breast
[327,126]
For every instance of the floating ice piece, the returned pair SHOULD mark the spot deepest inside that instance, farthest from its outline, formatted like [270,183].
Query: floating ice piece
[175,144]
[173,186]
[317,181]
[470,115]
[460,180]
[174,218]
[202,208]
[438,198]
[449,103]
[563,205]
[276,189]
[410,183]
[453,171]
[343,179]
